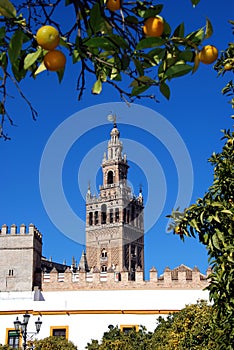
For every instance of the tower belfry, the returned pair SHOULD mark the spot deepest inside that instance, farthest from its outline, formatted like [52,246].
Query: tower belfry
[114,218]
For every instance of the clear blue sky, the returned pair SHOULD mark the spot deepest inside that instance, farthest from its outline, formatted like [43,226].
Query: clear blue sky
[196,111]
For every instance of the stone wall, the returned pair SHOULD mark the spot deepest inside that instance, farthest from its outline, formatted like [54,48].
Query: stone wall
[181,277]
[20,258]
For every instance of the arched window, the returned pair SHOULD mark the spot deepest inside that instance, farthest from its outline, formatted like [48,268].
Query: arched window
[111,216]
[117,215]
[90,218]
[103,211]
[124,215]
[103,268]
[104,253]
[110,177]
[96,218]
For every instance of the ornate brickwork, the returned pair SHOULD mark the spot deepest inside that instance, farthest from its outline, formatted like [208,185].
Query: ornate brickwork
[114,219]
[181,277]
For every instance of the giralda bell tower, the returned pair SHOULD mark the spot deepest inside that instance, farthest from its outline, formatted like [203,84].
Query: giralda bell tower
[115,218]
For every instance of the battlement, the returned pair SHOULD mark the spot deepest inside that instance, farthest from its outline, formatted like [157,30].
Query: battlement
[181,277]
[32,230]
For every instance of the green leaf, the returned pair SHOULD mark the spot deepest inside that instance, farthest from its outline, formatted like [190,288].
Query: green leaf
[31,58]
[179,31]
[139,66]
[60,74]
[139,89]
[7,9]
[215,242]
[3,60]
[15,45]
[131,19]
[76,56]
[125,61]
[118,40]
[97,87]
[40,69]
[151,12]
[167,29]
[209,29]
[2,33]
[195,2]
[100,42]
[149,42]
[178,70]
[226,211]
[114,75]
[196,63]
[197,36]
[187,55]
[97,22]
[165,90]
[18,70]
[141,84]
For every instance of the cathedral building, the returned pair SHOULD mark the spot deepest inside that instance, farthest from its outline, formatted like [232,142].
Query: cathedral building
[108,285]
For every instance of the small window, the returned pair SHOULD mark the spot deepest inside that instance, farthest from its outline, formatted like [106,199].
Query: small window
[111,216]
[91,219]
[103,209]
[11,272]
[13,339]
[104,268]
[104,253]
[96,218]
[59,331]
[127,328]
[110,177]
[124,215]
[117,215]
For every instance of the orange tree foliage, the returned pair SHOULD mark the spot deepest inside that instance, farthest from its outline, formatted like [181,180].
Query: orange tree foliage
[190,328]
[109,46]
[54,343]
[212,219]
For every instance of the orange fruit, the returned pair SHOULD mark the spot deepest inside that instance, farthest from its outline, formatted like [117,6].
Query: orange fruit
[178,230]
[54,60]
[208,54]
[153,26]
[48,37]
[113,5]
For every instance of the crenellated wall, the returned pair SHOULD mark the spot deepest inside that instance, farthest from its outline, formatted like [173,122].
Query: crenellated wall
[181,277]
[20,258]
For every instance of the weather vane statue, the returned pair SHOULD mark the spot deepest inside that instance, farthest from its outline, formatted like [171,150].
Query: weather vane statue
[112,118]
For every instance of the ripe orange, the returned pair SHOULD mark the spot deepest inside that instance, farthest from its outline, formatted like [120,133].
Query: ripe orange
[153,26]
[54,60]
[48,37]
[113,5]
[178,230]
[208,54]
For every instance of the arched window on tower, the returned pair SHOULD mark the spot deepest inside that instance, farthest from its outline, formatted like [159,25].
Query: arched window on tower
[132,214]
[124,215]
[111,216]
[104,254]
[103,268]
[117,215]
[90,218]
[103,210]
[96,218]
[110,177]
